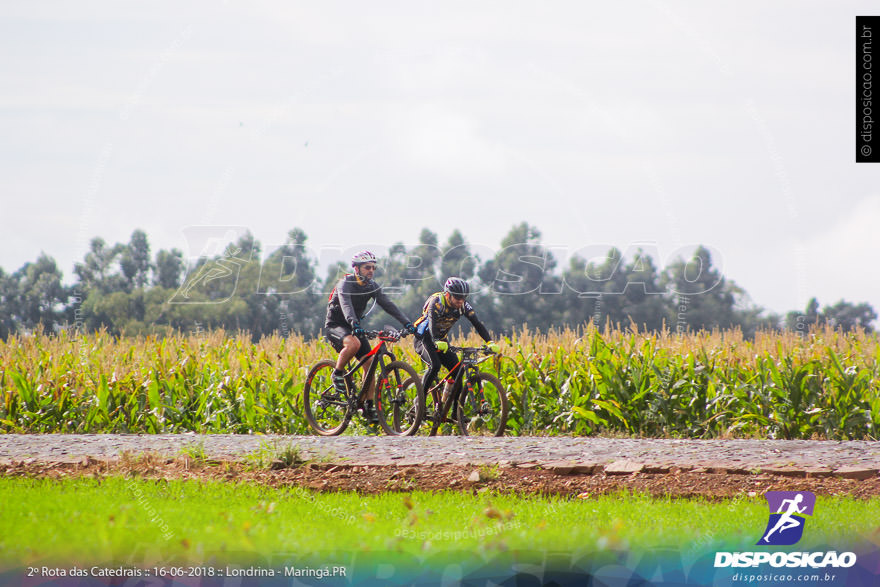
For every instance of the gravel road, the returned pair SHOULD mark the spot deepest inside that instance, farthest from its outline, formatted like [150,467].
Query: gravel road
[768,455]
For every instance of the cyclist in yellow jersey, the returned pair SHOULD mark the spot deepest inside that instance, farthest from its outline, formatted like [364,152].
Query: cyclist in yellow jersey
[440,313]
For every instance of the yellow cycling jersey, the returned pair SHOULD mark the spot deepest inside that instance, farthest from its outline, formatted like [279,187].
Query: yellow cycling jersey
[438,318]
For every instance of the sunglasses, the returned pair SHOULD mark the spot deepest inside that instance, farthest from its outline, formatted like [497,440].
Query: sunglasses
[368,267]
[458,297]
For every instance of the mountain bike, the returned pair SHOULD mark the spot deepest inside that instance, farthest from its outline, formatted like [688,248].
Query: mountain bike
[477,403]
[398,391]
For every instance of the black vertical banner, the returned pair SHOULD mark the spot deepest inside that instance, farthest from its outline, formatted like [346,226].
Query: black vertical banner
[867,114]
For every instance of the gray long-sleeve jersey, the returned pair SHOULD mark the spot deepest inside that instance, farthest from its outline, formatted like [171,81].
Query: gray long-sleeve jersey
[349,300]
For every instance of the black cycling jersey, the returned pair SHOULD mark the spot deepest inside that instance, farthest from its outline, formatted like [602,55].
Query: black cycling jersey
[438,318]
[349,300]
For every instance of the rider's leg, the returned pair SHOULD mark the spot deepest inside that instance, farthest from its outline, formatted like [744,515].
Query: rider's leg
[428,352]
[449,360]
[350,346]
[354,347]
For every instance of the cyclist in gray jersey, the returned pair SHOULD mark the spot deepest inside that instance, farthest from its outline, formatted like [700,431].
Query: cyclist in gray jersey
[347,304]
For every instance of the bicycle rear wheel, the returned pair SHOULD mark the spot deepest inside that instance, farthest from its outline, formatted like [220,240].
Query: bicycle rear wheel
[327,410]
[400,401]
[483,408]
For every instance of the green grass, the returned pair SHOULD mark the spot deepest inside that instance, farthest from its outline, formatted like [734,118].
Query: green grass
[144,522]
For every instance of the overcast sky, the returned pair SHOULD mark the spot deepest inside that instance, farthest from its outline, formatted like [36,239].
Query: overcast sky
[661,124]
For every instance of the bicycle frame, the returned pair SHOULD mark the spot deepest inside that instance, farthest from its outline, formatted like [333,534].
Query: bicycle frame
[378,352]
[466,366]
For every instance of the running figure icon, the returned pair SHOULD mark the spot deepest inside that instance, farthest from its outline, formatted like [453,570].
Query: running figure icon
[788,511]
[786,521]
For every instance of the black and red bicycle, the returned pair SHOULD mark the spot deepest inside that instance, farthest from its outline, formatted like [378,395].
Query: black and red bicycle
[399,398]
[476,406]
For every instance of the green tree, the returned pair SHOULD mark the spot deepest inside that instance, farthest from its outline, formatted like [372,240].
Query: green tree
[169,268]
[614,291]
[8,305]
[42,297]
[848,316]
[261,316]
[287,281]
[643,302]
[221,291]
[135,260]
[611,279]
[751,318]
[412,275]
[802,322]
[100,268]
[581,297]
[392,271]
[423,272]
[218,278]
[521,280]
[117,312]
[457,259]
[702,298]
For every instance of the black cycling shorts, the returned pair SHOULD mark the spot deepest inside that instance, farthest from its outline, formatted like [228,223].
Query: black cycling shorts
[335,334]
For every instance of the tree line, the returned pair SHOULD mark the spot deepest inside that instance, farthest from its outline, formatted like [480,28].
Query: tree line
[126,290]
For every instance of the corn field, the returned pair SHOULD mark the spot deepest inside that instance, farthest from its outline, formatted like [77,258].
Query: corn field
[824,384]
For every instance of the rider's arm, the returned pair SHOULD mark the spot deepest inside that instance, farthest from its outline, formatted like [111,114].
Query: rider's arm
[390,307]
[344,291]
[478,326]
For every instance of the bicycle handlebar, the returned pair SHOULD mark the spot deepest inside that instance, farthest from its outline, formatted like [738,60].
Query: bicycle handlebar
[388,334]
[480,349]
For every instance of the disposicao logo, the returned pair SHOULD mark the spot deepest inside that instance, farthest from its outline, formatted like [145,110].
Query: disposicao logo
[785,527]
[787,510]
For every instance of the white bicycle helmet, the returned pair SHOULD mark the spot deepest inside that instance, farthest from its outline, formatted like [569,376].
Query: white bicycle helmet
[363,257]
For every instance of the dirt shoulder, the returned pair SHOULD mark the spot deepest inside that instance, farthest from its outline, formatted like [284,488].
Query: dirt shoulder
[529,479]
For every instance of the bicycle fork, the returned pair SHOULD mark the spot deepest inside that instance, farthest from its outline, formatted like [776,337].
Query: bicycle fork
[481,405]
[474,396]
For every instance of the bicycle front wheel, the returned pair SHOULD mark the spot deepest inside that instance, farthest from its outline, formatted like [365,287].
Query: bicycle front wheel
[327,410]
[483,408]
[400,401]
